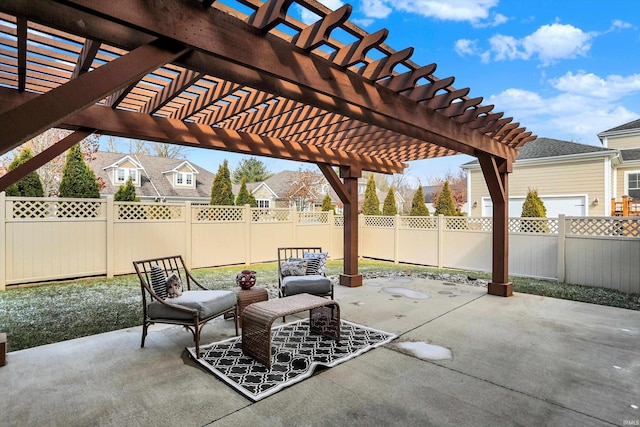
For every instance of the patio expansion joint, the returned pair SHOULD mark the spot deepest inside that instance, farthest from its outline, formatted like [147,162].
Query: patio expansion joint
[484,379]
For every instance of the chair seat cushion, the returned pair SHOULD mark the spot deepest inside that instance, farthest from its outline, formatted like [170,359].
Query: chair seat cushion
[206,302]
[314,284]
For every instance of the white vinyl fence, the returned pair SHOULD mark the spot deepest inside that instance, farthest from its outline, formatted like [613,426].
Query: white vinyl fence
[50,239]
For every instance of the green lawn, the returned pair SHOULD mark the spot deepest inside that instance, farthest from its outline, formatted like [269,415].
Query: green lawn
[38,315]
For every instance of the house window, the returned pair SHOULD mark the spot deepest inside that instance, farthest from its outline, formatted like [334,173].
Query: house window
[633,185]
[263,203]
[184,178]
[123,174]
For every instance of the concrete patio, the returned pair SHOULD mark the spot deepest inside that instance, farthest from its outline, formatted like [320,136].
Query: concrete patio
[524,360]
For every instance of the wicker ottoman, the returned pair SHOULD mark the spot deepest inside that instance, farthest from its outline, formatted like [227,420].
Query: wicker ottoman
[249,296]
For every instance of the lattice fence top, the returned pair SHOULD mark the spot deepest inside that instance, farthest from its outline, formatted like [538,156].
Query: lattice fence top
[461,223]
[424,222]
[379,221]
[313,217]
[534,225]
[270,215]
[624,227]
[338,221]
[141,211]
[204,213]
[57,209]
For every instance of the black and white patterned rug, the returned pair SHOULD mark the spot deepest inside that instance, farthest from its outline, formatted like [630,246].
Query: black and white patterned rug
[295,354]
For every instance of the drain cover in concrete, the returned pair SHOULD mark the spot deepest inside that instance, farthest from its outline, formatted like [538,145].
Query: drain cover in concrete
[409,293]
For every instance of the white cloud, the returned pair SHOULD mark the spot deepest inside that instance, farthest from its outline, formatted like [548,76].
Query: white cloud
[583,106]
[376,9]
[557,41]
[620,25]
[466,47]
[549,44]
[451,10]
[588,84]
[477,12]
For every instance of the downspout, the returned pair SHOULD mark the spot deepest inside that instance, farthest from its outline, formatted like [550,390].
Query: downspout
[159,198]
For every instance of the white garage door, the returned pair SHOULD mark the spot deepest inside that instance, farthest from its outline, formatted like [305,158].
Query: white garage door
[556,205]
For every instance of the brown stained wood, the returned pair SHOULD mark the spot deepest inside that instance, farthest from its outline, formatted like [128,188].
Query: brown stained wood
[21,33]
[128,124]
[270,14]
[270,84]
[459,108]
[43,158]
[474,114]
[428,91]
[384,66]
[87,55]
[352,54]
[184,80]
[444,100]
[316,34]
[42,113]
[402,82]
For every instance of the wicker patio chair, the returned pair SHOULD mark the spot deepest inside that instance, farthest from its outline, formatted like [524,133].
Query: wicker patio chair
[193,309]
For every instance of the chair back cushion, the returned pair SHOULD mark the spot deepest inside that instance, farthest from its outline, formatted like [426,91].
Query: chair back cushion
[320,256]
[315,284]
[158,281]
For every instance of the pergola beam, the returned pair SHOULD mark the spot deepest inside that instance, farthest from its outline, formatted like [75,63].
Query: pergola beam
[231,49]
[46,111]
[129,124]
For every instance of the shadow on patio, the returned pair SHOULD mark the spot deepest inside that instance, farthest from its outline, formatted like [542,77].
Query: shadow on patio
[525,360]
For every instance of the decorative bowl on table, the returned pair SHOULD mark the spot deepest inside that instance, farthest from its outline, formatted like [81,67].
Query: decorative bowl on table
[246,279]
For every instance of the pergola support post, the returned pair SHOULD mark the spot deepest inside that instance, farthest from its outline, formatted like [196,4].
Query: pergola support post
[496,174]
[347,191]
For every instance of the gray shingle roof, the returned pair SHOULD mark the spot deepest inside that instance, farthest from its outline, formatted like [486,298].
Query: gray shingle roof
[629,155]
[154,168]
[635,124]
[550,147]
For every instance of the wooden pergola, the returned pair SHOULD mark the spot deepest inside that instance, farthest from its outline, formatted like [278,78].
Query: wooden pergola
[244,76]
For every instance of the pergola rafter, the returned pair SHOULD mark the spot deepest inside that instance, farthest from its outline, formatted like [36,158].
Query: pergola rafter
[206,74]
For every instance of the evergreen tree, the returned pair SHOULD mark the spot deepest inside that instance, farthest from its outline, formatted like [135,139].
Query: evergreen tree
[327,205]
[371,204]
[78,180]
[445,204]
[389,208]
[533,206]
[221,193]
[418,205]
[244,197]
[126,192]
[252,169]
[30,185]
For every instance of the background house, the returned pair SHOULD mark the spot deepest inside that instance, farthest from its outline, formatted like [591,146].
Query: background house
[626,169]
[572,179]
[305,190]
[155,178]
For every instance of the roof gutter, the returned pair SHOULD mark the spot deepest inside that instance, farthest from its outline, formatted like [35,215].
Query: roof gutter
[160,198]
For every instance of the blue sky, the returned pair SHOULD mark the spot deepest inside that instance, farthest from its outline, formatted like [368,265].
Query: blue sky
[565,69]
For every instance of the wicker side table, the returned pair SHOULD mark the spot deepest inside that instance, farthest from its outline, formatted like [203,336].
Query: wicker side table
[249,296]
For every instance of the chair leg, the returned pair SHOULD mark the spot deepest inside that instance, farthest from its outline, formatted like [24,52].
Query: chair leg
[145,326]
[197,340]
